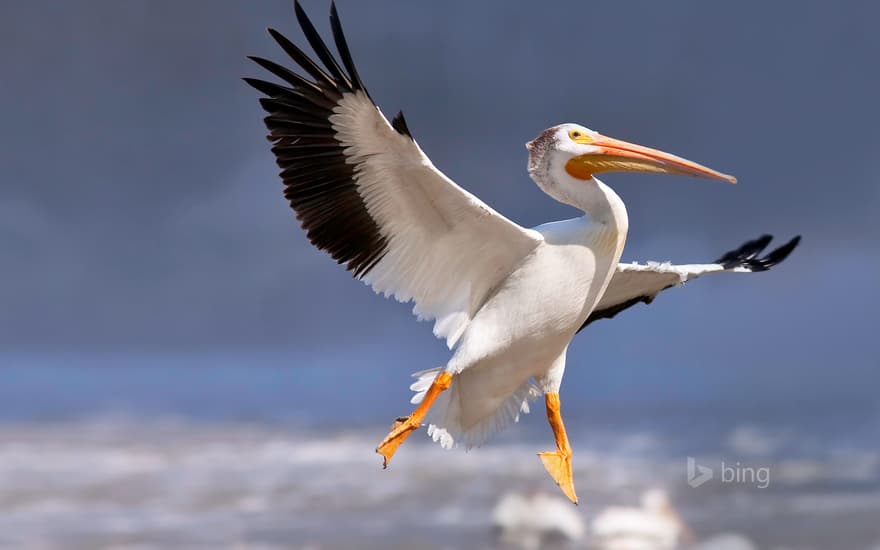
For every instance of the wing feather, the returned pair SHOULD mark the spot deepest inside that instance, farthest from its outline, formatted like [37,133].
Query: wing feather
[636,283]
[367,194]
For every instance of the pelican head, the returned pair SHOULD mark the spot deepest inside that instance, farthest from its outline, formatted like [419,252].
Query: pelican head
[577,152]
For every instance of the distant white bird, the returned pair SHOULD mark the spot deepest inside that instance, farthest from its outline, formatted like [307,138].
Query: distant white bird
[507,299]
[654,526]
[533,521]
[728,541]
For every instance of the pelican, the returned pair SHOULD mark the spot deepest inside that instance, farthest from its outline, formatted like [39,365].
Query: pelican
[535,520]
[656,525]
[507,299]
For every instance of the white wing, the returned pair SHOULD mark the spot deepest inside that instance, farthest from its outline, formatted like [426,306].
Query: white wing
[367,194]
[634,283]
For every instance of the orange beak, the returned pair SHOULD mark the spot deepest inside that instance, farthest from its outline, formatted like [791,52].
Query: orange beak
[614,155]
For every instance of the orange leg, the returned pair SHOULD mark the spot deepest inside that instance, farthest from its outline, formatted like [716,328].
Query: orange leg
[408,424]
[558,462]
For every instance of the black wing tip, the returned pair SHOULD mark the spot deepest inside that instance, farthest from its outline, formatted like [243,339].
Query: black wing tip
[262,62]
[761,243]
[347,79]
[301,16]
[277,36]
[399,125]
[299,9]
[266,88]
[781,253]
[746,251]
[746,256]
[344,52]
[320,183]
[274,33]
[320,48]
[344,78]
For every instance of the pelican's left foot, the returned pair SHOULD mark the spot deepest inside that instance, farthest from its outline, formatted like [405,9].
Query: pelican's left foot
[558,465]
[558,462]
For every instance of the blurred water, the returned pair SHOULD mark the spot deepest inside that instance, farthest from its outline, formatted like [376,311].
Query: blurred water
[177,483]
[153,455]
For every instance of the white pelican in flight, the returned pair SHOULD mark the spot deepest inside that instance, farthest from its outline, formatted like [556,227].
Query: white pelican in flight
[507,299]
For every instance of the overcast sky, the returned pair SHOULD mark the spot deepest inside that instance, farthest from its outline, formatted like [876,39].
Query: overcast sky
[140,210]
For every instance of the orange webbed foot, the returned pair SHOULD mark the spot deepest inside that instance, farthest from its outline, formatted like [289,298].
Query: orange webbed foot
[405,425]
[558,465]
[400,430]
[558,462]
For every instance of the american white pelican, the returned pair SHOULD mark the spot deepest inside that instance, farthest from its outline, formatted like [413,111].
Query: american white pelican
[653,526]
[535,520]
[507,299]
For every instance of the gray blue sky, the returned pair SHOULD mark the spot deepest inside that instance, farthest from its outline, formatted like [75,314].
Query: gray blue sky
[140,211]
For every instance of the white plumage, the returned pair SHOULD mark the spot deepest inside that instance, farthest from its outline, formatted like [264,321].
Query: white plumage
[432,258]
[634,282]
[507,299]
[536,520]
[653,526]
[445,426]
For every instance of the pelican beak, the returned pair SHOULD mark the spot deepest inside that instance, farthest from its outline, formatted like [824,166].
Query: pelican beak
[614,155]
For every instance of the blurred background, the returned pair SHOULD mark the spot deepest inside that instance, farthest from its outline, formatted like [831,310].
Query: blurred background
[180,369]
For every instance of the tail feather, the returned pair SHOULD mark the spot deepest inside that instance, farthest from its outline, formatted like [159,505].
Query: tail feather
[453,420]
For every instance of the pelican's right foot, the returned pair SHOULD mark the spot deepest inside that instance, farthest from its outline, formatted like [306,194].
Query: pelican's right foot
[405,425]
[400,430]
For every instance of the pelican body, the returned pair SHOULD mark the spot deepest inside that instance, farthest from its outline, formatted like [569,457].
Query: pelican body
[507,299]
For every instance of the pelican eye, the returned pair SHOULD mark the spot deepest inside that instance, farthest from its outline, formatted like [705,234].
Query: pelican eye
[579,137]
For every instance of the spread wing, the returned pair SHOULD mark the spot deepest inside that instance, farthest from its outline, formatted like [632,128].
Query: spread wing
[366,193]
[634,283]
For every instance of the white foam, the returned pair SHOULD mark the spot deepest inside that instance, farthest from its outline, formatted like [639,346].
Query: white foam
[182,483]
